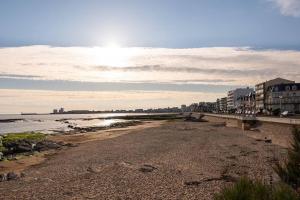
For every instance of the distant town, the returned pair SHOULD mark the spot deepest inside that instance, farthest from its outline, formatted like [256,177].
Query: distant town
[157,110]
[272,97]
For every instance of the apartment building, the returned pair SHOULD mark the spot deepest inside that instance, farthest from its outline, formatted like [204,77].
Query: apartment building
[261,89]
[285,97]
[234,97]
[223,104]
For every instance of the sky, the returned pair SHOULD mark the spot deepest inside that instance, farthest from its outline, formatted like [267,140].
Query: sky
[125,54]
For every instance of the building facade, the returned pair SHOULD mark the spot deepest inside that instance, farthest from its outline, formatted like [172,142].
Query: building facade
[218,105]
[261,90]
[206,106]
[285,97]
[223,104]
[246,103]
[234,97]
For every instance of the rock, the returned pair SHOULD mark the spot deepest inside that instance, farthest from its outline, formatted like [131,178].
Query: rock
[147,168]
[20,146]
[2,177]
[12,176]
[46,145]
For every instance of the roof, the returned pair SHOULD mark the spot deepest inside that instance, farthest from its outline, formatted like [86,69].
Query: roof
[276,81]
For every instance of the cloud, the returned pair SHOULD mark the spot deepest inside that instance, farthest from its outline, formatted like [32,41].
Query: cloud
[217,65]
[158,68]
[18,76]
[288,7]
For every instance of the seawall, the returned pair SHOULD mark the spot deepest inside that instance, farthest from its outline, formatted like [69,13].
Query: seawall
[279,130]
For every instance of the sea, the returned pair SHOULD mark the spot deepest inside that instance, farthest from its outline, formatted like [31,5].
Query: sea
[50,123]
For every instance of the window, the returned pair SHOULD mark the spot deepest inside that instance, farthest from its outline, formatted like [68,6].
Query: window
[287,88]
[294,87]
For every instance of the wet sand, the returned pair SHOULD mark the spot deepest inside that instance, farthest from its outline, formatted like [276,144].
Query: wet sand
[171,160]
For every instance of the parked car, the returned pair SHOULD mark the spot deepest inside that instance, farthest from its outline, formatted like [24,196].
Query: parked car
[286,114]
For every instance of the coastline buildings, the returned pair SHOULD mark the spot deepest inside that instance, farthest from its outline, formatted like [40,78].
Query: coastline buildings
[223,104]
[261,90]
[183,108]
[246,103]
[61,110]
[285,97]
[206,106]
[235,98]
[218,105]
[276,94]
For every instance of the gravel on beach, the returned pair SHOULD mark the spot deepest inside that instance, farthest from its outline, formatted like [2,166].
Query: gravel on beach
[178,160]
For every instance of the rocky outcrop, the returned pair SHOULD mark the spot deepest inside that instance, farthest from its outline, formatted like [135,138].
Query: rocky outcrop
[22,146]
[47,145]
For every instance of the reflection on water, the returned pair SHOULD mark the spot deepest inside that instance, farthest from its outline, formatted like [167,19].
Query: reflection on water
[49,123]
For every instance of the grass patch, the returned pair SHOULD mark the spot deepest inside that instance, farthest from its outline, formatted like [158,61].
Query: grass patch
[289,171]
[287,189]
[245,189]
[12,137]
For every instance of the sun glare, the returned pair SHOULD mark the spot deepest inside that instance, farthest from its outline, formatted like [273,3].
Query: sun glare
[113,45]
[113,55]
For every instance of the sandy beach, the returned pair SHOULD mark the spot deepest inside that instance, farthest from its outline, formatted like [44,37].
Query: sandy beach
[157,160]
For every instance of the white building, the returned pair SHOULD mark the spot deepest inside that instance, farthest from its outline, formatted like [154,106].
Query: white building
[233,97]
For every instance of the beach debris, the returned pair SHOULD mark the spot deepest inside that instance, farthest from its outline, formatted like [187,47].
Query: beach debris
[147,168]
[223,177]
[268,140]
[192,183]
[94,169]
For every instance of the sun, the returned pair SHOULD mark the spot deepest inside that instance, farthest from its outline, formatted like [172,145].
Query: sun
[111,54]
[113,45]
[114,55]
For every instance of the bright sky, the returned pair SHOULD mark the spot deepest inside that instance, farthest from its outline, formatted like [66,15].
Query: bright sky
[137,53]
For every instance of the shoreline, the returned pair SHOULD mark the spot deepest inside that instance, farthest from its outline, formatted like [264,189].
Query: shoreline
[23,162]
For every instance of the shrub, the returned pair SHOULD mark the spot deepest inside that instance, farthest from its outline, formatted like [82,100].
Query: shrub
[246,189]
[12,137]
[289,172]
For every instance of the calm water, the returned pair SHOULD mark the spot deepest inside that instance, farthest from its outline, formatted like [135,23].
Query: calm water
[48,123]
